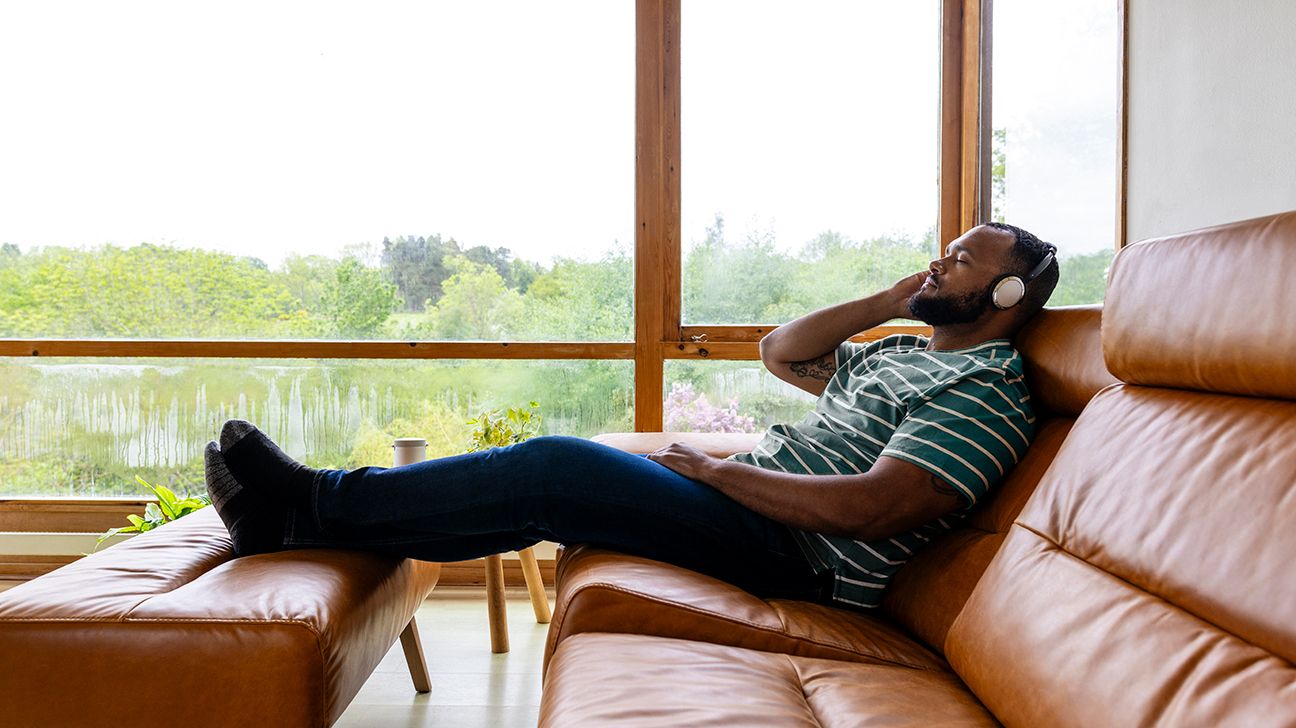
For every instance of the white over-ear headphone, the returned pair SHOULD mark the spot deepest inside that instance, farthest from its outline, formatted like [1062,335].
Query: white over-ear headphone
[1009,290]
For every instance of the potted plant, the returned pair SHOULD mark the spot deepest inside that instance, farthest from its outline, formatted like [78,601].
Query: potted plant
[169,507]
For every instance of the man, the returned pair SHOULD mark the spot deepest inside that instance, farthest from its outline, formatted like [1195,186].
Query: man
[907,434]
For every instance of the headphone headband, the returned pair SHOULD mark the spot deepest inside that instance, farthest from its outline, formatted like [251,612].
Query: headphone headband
[1041,267]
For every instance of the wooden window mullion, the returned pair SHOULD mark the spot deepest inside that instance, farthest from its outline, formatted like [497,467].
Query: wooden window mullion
[657,201]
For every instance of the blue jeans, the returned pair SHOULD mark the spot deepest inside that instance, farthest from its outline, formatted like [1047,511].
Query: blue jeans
[562,489]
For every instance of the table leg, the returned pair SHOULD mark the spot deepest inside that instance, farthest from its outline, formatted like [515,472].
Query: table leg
[495,606]
[535,585]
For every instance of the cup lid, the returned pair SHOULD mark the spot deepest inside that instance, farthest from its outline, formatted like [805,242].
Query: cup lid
[409,442]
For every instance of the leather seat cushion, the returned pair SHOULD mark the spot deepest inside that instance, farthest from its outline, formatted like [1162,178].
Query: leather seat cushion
[604,591]
[635,680]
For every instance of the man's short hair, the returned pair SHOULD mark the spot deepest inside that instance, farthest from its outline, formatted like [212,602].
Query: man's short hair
[1027,252]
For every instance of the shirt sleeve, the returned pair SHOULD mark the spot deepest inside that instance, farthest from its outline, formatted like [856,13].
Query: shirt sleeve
[846,350]
[969,436]
[849,349]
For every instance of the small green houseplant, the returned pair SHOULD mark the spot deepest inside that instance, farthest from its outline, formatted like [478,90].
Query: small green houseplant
[168,508]
[500,428]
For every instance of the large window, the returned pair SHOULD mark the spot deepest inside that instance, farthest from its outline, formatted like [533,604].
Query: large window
[1054,166]
[274,170]
[359,222]
[810,146]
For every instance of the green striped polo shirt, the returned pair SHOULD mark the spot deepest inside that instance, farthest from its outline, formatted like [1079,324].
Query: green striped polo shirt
[962,415]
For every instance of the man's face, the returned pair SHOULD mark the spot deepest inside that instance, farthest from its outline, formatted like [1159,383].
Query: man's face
[957,290]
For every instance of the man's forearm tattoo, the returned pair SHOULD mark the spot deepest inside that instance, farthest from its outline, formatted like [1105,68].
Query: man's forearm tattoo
[942,487]
[821,368]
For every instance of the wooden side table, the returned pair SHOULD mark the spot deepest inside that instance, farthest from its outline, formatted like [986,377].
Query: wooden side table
[410,450]
[495,606]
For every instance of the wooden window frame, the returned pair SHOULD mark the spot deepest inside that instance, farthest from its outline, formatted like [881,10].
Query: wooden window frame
[659,333]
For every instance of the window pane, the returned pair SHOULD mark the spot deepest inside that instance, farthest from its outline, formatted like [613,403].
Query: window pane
[1056,83]
[810,141]
[307,170]
[88,427]
[729,396]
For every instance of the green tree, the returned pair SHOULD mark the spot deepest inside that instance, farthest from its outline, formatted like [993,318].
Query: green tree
[307,278]
[475,303]
[417,266]
[734,283]
[142,291]
[998,173]
[359,301]
[581,301]
[832,268]
[1082,279]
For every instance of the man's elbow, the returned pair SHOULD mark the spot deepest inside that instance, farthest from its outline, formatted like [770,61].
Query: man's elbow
[872,523]
[860,524]
[767,349]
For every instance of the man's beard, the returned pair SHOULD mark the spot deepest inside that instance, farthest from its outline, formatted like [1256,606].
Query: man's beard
[947,310]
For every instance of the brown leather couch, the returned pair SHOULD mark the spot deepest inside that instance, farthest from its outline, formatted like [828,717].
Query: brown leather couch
[168,629]
[1135,569]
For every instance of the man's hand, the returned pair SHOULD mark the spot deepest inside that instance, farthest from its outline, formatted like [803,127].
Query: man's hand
[686,460]
[903,289]
[802,352]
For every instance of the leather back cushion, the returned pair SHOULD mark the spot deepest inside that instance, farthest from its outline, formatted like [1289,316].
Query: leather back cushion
[1064,370]
[1150,575]
[1062,348]
[1209,310]
[1148,580]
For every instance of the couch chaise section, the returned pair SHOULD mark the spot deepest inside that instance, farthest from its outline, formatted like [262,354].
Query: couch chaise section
[169,629]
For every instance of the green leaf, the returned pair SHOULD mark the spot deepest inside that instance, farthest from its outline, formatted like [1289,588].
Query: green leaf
[104,537]
[135,520]
[165,498]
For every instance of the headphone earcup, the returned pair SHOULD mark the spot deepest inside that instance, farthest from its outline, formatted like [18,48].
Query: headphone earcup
[1007,292]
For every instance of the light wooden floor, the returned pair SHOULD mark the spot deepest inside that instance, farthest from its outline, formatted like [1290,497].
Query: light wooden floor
[470,686]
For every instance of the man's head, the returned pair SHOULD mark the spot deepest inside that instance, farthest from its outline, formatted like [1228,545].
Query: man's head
[959,284]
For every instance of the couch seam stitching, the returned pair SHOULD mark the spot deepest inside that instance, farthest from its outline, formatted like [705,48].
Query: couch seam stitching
[805,698]
[1059,547]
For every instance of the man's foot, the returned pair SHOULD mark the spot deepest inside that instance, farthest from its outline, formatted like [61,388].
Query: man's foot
[255,522]
[259,463]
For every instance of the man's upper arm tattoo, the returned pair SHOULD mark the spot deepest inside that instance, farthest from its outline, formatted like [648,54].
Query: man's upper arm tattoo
[942,487]
[821,368]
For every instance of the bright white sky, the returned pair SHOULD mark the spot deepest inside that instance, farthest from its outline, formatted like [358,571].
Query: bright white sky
[268,128]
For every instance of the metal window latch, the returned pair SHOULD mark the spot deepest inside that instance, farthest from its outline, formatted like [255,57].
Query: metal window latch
[699,338]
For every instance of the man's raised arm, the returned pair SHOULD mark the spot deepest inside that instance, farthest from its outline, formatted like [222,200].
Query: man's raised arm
[803,352]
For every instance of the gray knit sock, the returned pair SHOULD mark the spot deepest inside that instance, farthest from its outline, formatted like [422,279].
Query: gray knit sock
[255,523]
[259,464]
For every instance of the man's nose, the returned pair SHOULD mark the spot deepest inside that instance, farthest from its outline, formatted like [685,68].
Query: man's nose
[936,267]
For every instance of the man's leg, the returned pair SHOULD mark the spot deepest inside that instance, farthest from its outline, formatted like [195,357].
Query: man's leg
[561,489]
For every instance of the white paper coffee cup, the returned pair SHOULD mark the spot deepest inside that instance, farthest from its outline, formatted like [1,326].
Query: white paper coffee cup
[408,450]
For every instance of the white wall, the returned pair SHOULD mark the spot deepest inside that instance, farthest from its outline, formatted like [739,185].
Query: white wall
[1212,112]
